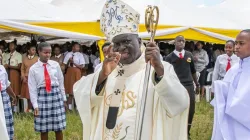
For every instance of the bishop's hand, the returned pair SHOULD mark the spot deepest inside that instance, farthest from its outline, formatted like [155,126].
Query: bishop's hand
[111,61]
[152,55]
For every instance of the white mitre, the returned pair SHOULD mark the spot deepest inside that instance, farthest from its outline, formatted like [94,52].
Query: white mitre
[118,18]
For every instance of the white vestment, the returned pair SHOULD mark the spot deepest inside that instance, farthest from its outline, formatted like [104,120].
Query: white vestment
[232,104]
[167,107]
[3,129]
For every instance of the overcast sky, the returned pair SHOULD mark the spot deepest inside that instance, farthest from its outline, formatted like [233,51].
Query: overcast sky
[196,2]
[207,2]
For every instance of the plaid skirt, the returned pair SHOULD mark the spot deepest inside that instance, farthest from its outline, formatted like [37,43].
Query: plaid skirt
[51,111]
[8,114]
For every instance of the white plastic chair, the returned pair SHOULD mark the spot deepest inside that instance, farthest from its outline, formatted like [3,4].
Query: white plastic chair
[197,96]
[209,87]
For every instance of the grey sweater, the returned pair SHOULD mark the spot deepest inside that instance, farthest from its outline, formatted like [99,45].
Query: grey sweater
[202,61]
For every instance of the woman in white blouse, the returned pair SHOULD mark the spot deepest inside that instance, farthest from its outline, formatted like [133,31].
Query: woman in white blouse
[225,61]
[47,94]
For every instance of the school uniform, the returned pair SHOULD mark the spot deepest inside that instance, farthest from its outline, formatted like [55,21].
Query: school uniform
[92,58]
[96,62]
[73,73]
[1,54]
[47,93]
[28,61]
[14,59]
[59,59]
[223,64]
[6,102]
[86,59]
[184,67]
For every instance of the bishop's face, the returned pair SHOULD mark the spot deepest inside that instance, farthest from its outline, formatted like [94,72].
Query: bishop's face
[128,45]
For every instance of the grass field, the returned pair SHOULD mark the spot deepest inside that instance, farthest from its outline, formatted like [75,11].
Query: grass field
[24,125]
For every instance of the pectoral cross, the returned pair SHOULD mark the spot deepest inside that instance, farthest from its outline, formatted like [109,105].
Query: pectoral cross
[117,92]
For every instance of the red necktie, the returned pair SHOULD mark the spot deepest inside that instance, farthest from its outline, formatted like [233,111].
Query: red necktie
[47,79]
[180,54]
[228,64]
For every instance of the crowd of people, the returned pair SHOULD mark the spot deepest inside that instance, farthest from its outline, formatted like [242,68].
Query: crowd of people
[109,95]
[17,59]
[76,60]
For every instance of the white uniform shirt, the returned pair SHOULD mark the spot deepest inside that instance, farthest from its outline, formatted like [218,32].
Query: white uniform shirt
[36,79]
[86,58]
[178,53]
[1,56]
[96,62]
[15,59]
[5,83]
[92,58]
[221,65]
[4,78]
[77,58]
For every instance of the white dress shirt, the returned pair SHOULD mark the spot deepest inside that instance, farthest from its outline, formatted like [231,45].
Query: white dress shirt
[4,78]
[1,56]
[86,58]
[16,58]
[77,58]
[36,79]
[221,65]
[178,53]
[92,58]
[96,62]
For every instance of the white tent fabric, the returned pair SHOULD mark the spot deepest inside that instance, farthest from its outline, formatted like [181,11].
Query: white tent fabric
[172,12]
[178,12]
[180,29]
[14,13]
[235,10]
[34,10]
[48,31]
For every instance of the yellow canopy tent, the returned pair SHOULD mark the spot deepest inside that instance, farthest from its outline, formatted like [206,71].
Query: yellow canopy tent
[93,28]
[62,22]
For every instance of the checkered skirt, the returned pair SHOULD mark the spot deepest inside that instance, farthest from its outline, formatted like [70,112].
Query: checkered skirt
[51,111]
[8,114]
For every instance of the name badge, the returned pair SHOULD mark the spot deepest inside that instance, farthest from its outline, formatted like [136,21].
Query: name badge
[189,60]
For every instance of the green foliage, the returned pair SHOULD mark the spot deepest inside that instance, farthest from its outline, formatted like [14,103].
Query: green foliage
[24,125]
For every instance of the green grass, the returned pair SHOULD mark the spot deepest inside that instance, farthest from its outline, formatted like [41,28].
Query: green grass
[24,125]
